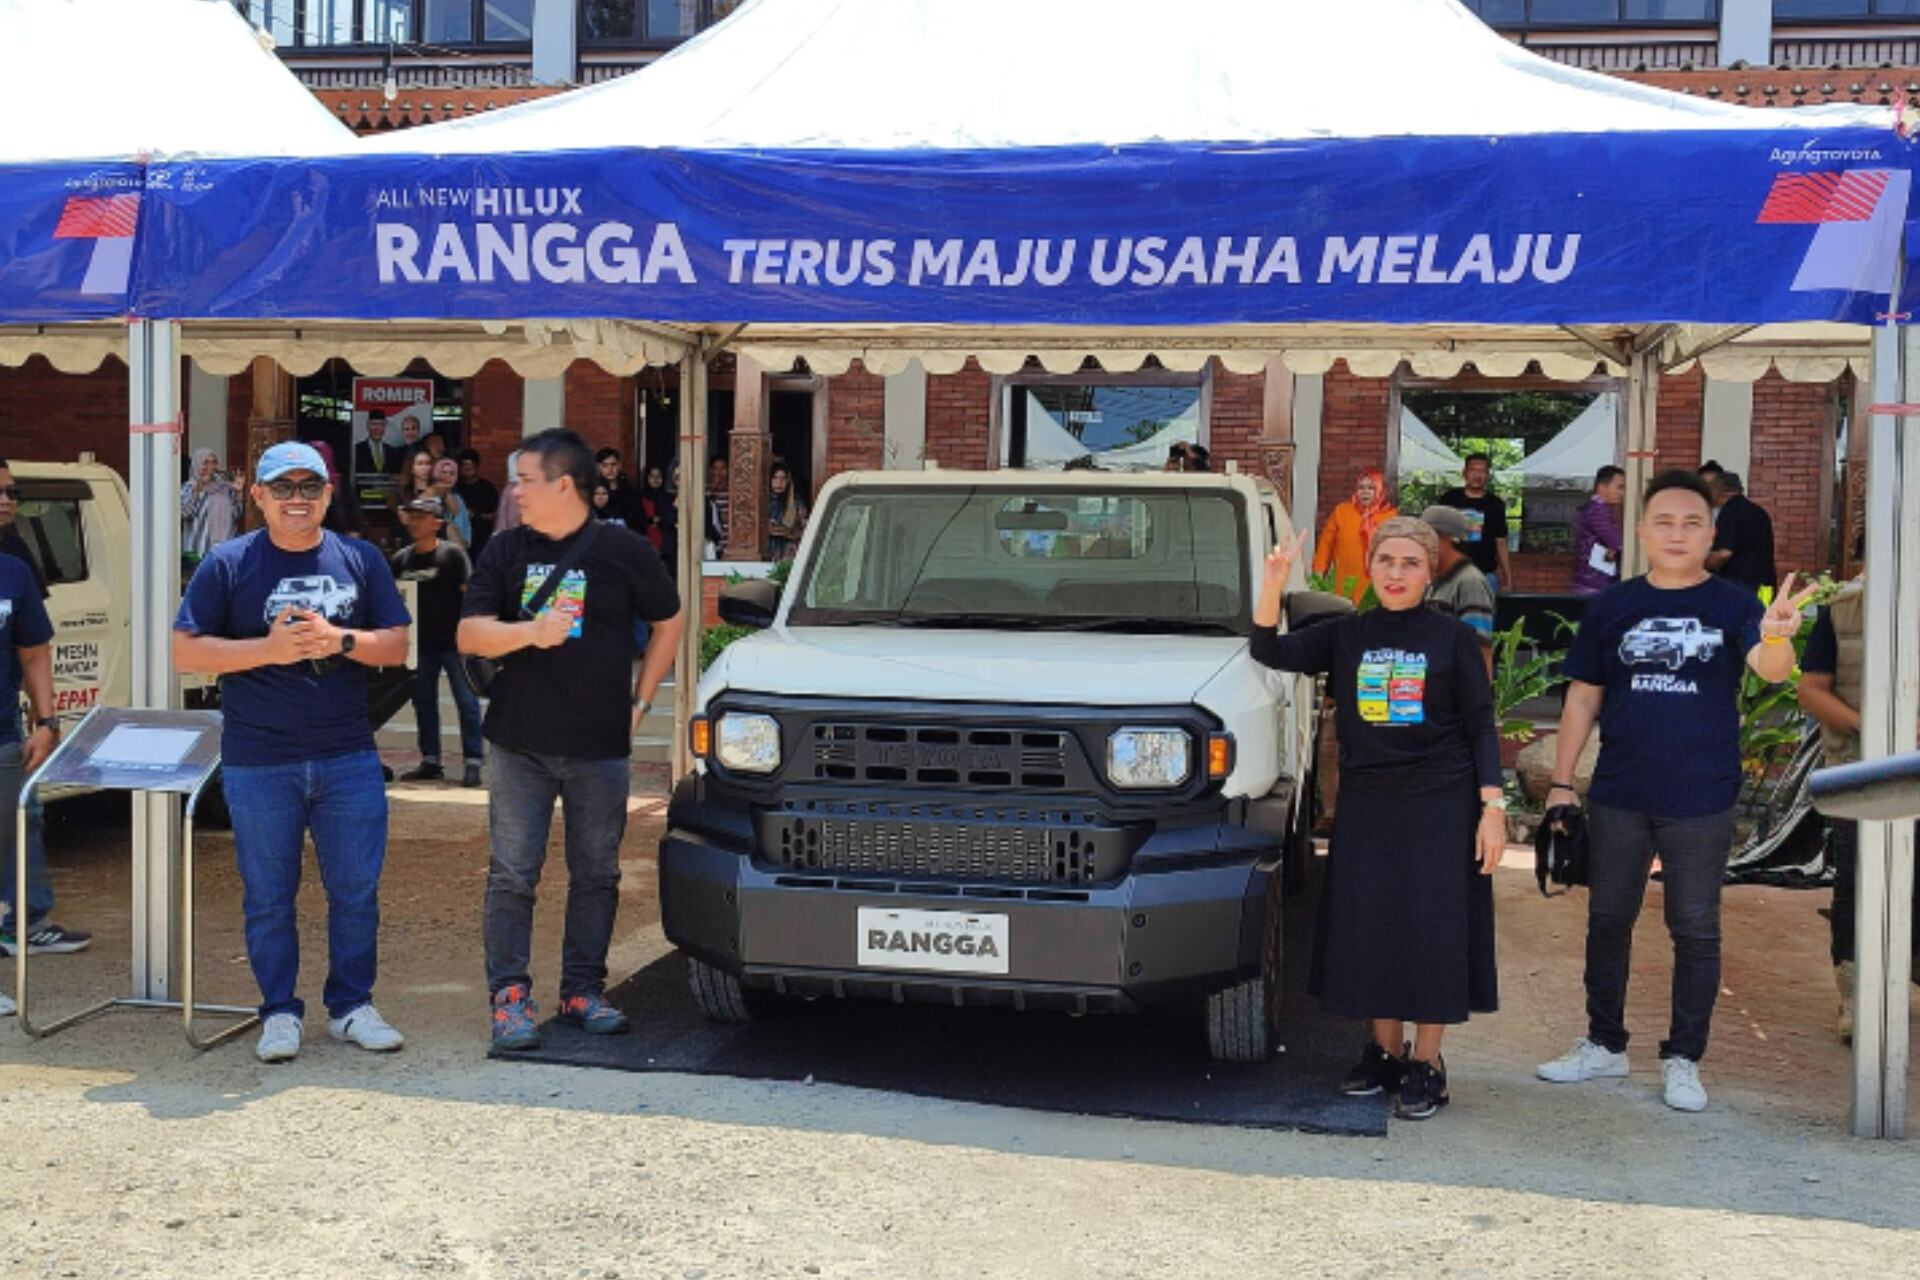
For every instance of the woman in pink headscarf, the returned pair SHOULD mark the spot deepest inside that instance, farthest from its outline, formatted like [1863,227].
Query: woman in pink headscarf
[1349,532]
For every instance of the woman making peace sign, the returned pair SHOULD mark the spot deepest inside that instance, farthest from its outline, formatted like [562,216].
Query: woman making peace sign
[1406,914]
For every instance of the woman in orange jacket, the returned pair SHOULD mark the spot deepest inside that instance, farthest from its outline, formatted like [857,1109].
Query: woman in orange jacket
[1349,531]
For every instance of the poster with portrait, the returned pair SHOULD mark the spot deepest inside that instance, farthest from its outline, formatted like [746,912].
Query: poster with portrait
[390,416]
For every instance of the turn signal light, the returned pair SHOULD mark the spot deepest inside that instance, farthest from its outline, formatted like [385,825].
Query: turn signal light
[700,730]
[1219,755]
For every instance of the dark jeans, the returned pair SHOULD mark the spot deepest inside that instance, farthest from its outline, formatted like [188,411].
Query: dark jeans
[343,801]
[39,888]
[1693,860]
[522,787]
[426,707]
[1846,879]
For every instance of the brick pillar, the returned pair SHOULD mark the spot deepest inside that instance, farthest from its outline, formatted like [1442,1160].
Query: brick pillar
[1353,434]
[1237,419]
[1793,428]
[856,423]
[496,413]
[959,419]
[1679,416]
[750,454]
[1276,429]
[269,421]
[600,407]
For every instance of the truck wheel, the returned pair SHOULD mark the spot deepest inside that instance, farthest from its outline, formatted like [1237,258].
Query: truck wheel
[1243,1022]
[718,993]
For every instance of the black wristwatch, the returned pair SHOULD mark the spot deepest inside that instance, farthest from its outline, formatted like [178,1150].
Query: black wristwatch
[48,722]
[346,643]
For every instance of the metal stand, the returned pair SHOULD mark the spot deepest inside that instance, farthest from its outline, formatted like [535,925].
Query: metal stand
[150,754]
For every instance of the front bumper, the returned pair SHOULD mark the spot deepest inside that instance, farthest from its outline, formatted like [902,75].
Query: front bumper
[1184,920]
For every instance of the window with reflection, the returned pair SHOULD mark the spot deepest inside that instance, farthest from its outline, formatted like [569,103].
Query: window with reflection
[1574,13]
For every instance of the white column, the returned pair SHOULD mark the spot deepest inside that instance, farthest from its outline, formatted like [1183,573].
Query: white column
[1726,427]
[543,404]
[556,53]
[1309,393]
[906,419]
[1884,913]
[207,415]
[1746,32]
[693,529]
[153,473]
[1643,398]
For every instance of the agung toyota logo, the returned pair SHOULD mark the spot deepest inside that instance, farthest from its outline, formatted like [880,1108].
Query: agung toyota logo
[1859,214]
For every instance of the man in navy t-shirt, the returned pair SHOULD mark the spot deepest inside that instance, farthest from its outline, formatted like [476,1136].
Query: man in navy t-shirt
[1658,662]
[289,617]
[26,659]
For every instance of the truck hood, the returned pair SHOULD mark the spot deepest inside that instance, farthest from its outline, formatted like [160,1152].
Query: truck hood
[971,666]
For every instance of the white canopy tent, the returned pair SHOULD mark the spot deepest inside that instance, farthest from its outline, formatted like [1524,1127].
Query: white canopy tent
[1582,447]
[1422,450]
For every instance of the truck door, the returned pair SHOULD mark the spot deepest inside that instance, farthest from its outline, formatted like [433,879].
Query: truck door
[67,532]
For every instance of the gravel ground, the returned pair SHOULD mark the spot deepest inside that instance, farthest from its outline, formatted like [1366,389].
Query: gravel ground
[126,1154]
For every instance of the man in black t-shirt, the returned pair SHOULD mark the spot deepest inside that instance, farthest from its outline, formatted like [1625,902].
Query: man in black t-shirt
[482,499]
[562,715]
[1487,511]
[439,571]
[1742,536]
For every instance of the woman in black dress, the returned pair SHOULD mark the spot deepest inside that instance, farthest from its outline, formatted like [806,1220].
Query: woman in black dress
[1406,915]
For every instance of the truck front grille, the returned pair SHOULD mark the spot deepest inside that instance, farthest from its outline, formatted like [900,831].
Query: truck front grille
[992,758]
[940,842]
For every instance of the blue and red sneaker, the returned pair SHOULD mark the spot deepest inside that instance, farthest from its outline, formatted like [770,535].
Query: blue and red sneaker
[592,1014]
[515,1020]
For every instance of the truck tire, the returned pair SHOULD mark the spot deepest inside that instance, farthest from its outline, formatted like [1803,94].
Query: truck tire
[1243,1022]
[718,993]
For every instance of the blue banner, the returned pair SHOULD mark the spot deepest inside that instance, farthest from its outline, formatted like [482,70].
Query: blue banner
[67,238]
[1720,227]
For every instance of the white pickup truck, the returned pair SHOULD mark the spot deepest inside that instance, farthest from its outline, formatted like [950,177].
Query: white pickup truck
[1001,742]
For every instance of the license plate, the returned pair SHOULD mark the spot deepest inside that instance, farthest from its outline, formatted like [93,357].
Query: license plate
[947,941]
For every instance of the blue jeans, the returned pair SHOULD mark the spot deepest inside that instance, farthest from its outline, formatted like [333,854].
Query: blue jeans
[426,707]
[1693,863]
[39,888]
[343,801]
[521,789]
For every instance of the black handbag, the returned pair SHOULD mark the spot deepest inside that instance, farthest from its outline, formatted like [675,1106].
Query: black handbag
[1560,849]
[482,672]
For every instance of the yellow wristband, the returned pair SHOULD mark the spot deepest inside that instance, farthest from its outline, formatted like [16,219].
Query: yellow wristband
[1773,639]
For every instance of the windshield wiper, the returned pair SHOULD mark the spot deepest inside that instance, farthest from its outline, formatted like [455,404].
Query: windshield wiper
[968,621]
[1147,626]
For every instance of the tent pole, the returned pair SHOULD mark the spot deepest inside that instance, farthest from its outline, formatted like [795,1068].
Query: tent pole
[692,557]
[1643,395]
[1884,904]
[153,381]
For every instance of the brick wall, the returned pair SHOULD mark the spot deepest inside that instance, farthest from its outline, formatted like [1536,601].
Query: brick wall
[1353,434]
[600,407]
[1237,419]
[958,405]
[50,416]
[495,410]
[1679,410]
[1790,433]
[856,421]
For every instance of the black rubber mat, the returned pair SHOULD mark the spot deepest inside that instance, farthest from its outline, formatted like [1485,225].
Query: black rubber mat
[1148,1066]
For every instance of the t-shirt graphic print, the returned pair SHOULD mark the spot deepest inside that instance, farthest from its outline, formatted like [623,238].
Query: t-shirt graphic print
[1391,687]
[1669,643]
[570,597]
[318,593]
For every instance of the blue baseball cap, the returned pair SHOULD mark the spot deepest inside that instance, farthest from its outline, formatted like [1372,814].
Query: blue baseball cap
[290,455]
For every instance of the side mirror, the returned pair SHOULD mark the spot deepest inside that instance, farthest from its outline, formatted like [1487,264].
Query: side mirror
[752,603]
[1304,608]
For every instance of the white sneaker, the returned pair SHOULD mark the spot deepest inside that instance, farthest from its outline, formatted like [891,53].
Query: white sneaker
[1585,1061]
[7,1007]
[366,1028]
[279,1039]
[1684,1091]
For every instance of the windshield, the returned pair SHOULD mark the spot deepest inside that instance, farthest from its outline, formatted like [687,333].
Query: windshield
[1001,557]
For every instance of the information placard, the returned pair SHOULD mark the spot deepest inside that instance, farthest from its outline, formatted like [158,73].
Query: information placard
[130,749]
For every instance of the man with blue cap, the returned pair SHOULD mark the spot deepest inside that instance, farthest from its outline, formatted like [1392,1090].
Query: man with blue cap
[289,616]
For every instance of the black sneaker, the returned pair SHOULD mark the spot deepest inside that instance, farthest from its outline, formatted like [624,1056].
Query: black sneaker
[471,777]
[1424,1092]
[47,939]
[425,771]
[1376,1071]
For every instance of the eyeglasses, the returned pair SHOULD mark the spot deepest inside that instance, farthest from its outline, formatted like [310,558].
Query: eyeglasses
[12,491]
[283,490]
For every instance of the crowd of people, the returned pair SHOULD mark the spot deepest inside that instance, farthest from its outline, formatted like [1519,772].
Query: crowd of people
[564,579]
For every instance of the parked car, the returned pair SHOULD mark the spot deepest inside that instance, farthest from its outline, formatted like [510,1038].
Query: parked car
[1001,742]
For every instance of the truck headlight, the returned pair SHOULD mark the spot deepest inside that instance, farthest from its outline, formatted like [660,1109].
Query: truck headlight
[1149,757]
[747,743]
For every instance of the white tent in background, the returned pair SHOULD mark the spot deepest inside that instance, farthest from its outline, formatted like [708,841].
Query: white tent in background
[1422,450]
[1151,454]
[1050,445]
[1582,447]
